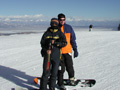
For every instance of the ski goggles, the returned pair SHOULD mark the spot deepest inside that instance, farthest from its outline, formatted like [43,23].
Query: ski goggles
[54,24]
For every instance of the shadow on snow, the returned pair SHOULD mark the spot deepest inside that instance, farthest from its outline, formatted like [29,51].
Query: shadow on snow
[18,77]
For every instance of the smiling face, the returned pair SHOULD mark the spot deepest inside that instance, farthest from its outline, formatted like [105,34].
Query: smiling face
[62,21]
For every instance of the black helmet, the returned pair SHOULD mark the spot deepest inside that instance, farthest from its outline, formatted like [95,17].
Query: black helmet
[54,22]
[61,15]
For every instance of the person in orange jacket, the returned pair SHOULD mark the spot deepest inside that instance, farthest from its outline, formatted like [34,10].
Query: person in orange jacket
[66,60]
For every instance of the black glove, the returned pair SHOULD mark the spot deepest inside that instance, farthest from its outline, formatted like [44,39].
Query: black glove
[75,53]
[60,44]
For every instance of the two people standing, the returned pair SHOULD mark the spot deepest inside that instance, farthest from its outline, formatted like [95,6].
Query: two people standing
[60,36]
[51,42]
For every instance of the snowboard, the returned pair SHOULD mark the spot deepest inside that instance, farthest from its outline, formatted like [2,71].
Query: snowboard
[19,88]
[80,82]
[24,89]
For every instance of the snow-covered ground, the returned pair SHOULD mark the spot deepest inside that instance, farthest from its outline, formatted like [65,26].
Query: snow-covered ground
[99,58]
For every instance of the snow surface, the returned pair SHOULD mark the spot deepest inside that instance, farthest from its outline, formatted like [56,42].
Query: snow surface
[99,59]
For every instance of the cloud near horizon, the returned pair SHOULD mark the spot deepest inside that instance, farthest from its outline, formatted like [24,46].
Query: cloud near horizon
[38,17]
[41,17]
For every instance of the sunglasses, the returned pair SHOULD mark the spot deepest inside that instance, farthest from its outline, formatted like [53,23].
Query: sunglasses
[62,19]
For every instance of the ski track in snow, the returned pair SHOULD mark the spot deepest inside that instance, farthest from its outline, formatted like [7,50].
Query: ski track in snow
[99,58]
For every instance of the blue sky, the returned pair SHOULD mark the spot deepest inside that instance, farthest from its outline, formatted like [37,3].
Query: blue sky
[87,9]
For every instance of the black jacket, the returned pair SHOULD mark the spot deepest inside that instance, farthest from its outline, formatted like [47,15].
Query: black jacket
[48,36]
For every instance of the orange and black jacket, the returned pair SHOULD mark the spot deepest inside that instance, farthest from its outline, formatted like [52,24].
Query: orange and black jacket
[70,38]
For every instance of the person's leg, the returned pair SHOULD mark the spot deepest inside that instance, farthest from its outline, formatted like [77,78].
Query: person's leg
[70,68]
[45,75]
[61,71]
[54,71]
[61,74]
[69,65]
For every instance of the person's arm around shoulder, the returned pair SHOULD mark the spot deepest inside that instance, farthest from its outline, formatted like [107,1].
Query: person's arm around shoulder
[62,42]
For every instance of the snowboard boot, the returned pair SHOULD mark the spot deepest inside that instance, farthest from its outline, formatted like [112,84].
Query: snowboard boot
[51,88]
[62,87]
[72,81]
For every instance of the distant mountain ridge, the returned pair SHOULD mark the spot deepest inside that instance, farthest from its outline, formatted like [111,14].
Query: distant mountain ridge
[39,21]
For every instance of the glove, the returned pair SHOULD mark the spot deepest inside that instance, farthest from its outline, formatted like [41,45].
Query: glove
[75,53]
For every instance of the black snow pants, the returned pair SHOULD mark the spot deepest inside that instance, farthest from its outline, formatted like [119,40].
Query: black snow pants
[52,72]
[67,63]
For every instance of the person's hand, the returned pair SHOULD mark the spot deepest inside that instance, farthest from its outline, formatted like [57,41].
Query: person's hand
[53,41]
[48,51]
[75,53]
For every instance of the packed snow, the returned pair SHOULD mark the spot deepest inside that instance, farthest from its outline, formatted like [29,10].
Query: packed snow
[99,59]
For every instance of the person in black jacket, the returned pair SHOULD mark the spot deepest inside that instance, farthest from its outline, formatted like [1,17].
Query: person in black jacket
[90,27]
[52,41]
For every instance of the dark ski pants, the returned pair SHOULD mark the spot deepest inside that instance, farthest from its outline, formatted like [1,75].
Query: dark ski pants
[53,70]
[66,62]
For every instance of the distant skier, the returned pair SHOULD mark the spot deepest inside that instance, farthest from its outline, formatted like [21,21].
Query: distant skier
[90,27]
[52,40]
[119,27]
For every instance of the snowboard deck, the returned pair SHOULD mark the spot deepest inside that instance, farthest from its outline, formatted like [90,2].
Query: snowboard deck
[19,88]
[24,89]
[80,82]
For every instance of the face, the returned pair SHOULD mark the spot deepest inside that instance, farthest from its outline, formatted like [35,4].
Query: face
[62,21]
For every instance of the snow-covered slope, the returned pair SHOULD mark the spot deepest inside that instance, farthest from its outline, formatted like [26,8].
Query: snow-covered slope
[99,58]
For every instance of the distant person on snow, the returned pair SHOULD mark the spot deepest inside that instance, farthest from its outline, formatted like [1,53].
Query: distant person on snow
[52,41]
[90,28]
[119,27]
[66,60]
